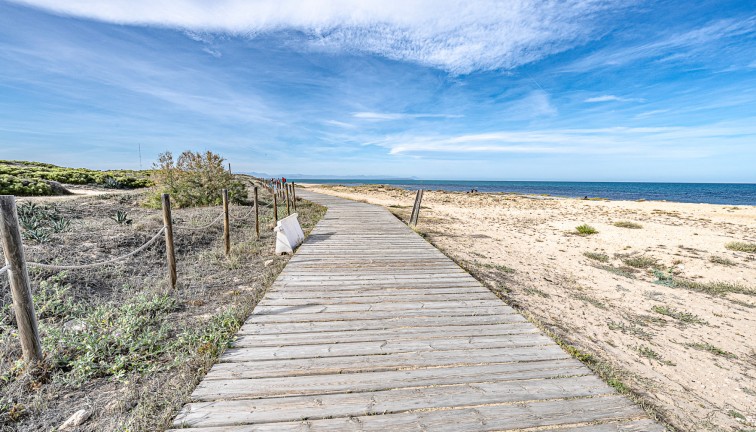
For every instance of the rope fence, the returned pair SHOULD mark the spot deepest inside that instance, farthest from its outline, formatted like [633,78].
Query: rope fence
[16,267]
[149,243]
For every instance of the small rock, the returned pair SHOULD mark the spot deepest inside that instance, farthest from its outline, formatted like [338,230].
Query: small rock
[77,419]
[268,262]
[74,325]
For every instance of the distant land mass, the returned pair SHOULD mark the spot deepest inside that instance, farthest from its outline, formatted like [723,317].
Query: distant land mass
[327,177]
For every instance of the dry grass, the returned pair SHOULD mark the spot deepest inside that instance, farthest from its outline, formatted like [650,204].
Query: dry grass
[741,247]
[118,341]
[628,224]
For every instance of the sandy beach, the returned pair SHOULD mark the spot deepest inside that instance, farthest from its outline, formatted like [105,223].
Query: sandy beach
[654,300]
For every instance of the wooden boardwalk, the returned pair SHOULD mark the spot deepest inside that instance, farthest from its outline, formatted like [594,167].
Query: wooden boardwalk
[371,328]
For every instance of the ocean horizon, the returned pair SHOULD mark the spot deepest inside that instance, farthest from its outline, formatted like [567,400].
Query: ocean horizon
[707,193]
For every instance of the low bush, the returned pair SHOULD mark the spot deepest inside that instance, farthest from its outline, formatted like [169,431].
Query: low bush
[194,180]
[25,178]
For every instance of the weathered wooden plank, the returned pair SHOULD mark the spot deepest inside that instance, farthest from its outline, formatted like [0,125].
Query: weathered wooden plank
[400,333]
[498,417]
[253,327]
[471,305]
[292,316]
[384,401]
[316,299]
[391,361]
[244,349]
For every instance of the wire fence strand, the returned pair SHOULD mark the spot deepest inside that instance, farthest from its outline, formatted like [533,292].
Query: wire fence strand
[149,242]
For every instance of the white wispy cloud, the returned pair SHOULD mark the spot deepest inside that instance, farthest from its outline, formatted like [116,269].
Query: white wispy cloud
[694,141]
[459,36]
[380,116]
[686,45]
[612,98]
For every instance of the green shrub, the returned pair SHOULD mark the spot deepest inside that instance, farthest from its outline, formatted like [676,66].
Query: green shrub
[585,229]
[32,178]
[110,339]
[194,179]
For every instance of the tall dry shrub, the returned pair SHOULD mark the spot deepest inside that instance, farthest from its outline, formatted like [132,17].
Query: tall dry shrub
[194,179]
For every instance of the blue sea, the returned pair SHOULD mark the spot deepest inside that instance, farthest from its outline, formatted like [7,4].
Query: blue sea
[712,193]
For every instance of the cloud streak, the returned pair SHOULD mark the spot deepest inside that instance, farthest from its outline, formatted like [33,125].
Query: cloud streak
[458,36]
[695,141]
[377,116]
[612,98]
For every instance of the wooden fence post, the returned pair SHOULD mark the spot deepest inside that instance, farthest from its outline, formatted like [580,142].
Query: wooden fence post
[226,227]
[18,276]
[294,195]
[275,207]
[416,208]
[288,205]
[257,215]
[170,252]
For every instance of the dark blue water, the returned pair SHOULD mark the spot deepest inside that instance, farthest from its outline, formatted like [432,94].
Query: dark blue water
[712,193]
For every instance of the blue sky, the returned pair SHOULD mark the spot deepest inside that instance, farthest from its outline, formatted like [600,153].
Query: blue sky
[444,89]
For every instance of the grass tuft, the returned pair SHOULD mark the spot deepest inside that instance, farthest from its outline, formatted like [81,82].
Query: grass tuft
[639,261]
[683,317]
[628,224]
[718,288]
[741,247]
[712,349]
[585,230]
[722,261]
[596,256]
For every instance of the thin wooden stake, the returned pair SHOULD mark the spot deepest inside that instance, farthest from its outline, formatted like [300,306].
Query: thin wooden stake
[257,215]
[275,207]
[294,195]
[416,208]
[18,276]
[170,252]
[226,225]
[288,206]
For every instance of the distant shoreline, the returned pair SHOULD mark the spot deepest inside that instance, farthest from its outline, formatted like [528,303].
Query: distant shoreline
[695,193]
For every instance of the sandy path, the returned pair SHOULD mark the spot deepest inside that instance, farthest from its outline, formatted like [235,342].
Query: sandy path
[691,355]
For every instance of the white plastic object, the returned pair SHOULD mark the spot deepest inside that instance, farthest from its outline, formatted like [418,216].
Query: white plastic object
[289,234]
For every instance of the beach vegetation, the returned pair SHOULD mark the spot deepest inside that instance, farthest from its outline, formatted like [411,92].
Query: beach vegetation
[650,354]
[683,317]
[585,230]
[588,299]
[39,222]
[194,180]
[23,178]
[639,261]
[712,349]
[741,247]
[627,272]
[596,256]
[628,224]
[631,329]
[722,261]
[719,288]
